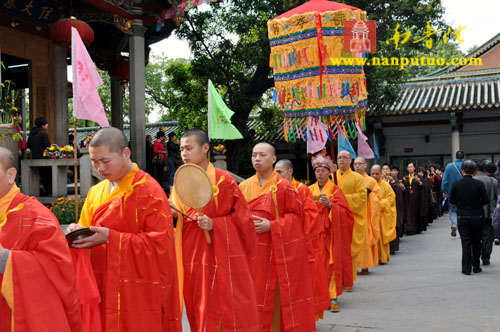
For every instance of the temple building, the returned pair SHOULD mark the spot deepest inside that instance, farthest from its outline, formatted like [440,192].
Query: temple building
[34,39]
[456,108]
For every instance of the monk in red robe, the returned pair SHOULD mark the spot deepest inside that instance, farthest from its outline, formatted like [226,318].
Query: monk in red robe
[37,278]
[334,228]
[284,168]
[216,278]
[285,274]
[132,251]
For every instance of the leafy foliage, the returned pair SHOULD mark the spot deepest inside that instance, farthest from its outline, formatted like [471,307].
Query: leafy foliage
[64,209]
[177,92]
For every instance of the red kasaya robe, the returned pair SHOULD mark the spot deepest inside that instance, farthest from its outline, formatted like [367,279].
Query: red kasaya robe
[38,287]
[136,271]
[283,257]
[334,228]
[217,277]
[321,298]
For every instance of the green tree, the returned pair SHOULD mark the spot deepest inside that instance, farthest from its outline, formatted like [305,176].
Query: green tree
[230,46]
[447,51]
[176,93]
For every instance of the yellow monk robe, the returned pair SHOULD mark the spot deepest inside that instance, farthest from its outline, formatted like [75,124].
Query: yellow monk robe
[217,278]
[136,270]
[388,219]
[354,188]
[285,274]
[39,289]
[368,256]
[333,231]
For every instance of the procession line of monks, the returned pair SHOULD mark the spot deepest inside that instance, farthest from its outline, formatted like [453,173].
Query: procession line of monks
[281,253]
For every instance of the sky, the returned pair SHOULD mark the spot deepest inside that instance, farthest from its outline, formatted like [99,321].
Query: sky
[480,18]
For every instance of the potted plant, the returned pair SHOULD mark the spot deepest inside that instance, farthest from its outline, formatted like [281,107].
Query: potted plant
[64,209]
[219,150]
[8,135]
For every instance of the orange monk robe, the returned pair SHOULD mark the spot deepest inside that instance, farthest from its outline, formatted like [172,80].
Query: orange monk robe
[283,256]
[321,298]
[38,286]
[368,256]
[334,232]
[217,277]
[388,218]
[136,271]
[354,188]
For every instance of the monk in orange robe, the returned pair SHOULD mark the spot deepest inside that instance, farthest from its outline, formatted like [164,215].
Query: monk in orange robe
[285,274]
[132,251]
[388,214]
[216,278]
[354,188]
[368,256]
[333,228]
[37,278]
[284,168]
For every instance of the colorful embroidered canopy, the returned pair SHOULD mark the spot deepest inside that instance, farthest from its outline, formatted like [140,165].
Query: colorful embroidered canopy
[308,85]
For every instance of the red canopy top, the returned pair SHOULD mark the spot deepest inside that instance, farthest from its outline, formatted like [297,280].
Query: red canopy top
[316,6]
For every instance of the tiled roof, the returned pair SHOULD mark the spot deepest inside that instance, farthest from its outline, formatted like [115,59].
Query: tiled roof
[461,93]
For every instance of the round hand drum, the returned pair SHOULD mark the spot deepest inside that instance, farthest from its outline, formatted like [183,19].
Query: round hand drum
[194,188]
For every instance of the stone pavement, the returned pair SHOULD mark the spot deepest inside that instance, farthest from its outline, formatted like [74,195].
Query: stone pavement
[420,289]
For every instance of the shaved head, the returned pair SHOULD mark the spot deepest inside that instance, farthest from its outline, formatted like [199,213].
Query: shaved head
[287,164]
[7,172]
[344,153]
[263,158]
[284,167]
[201,136]
[376,172]
[360,165]
[270,147]
[112,138]
[6,158]
[344,160]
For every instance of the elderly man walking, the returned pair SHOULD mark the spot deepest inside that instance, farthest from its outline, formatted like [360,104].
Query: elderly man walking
[469,195]
[491,186]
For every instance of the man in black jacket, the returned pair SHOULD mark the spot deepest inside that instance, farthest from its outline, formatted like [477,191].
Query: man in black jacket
[38,141]
[469,195]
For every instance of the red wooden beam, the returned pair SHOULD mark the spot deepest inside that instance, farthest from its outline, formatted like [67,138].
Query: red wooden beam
[109,7]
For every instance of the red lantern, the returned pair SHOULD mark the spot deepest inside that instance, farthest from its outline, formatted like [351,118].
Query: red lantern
[60,32]
[120,71]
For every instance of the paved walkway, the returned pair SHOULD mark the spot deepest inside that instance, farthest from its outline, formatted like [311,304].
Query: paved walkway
[421,289]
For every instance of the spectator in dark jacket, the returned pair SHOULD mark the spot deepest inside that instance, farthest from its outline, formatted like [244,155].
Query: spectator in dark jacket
[491,186]
[495,219]
[469,195]
[38,141]
[173,156]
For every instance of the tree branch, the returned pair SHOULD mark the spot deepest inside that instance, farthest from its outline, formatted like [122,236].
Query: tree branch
[202,42]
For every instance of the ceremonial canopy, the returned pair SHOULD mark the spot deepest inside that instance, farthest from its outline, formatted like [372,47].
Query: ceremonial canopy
[306,43]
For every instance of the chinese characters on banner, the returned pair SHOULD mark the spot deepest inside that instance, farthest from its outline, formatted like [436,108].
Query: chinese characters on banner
[399,38]
[40,11]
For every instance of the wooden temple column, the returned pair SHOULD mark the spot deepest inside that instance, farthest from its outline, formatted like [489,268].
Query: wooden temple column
[137,94]
[116,104]
[60,95]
